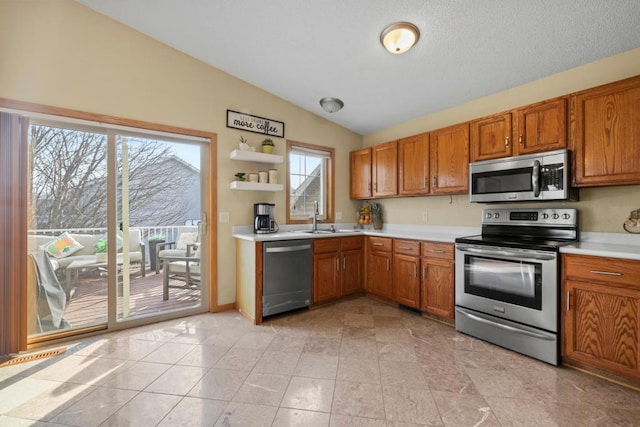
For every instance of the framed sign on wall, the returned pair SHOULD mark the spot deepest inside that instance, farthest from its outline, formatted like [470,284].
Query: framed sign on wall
[256,124]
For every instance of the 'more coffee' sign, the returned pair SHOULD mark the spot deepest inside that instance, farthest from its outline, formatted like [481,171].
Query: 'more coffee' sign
[255,124]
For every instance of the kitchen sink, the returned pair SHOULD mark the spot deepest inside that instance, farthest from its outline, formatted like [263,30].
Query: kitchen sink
[325,231]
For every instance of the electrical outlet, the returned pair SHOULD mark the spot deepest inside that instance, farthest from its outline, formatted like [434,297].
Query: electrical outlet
[425,216]
[338,215]
[223,217]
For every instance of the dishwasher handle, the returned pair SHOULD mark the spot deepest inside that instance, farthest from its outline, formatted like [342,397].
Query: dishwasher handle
[288,248]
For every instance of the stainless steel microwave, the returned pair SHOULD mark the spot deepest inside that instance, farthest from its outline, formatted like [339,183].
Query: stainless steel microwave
[533,177]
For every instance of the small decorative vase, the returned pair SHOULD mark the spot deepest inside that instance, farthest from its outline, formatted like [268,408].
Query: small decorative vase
[267,149]
[377,223]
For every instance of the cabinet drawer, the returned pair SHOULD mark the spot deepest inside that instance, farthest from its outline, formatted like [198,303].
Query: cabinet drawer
[326,245]
[351,243]
[437,250]
[407,247]
[612,271]
[379,243]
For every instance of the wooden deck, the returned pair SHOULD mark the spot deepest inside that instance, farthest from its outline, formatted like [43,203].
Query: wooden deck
[88,305]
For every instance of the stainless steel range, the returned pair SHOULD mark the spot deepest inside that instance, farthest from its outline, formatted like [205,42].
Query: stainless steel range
[508,279]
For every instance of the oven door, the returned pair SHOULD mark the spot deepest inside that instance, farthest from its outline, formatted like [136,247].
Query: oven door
[516,284]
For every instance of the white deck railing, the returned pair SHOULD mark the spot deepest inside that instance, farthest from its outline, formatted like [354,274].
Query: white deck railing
[169,232]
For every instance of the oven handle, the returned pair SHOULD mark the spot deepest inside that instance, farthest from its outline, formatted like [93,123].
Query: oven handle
[505,327]
[494,252]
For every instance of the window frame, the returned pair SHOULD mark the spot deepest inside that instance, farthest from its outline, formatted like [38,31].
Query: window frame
[329,186]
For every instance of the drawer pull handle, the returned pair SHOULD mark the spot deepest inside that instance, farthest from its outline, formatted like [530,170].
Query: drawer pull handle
[606,273]
[434,251]
[378,244]
[405,248]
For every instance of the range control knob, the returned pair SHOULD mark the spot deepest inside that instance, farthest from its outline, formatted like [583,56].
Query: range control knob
[496,215]
[545,216]
[555,215]
[489,215]
[566,216]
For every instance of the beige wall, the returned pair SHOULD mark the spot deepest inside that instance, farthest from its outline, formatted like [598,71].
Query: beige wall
[59,53]
[62,54]
[601,209]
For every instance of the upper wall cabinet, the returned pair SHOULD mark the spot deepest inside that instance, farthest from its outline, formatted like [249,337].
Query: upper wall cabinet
[384,169]
[530,129]
[360,176]
[413,165]
[449,152]
[491,137]
[605,134]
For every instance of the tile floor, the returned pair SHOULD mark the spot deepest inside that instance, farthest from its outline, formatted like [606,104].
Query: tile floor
[354,363]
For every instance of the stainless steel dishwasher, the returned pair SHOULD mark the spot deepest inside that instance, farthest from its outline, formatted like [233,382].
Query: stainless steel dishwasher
[286,275]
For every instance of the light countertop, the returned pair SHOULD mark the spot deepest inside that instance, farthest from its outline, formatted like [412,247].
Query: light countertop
[613,245]
[415,232]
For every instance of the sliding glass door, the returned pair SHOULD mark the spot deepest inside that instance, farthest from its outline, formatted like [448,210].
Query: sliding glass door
[116,227]
[158,199]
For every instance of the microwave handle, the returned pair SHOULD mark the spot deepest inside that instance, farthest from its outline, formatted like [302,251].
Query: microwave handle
[535,178]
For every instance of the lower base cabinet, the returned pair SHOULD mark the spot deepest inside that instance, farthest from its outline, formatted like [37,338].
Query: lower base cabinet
[438,293]
[406,272]
[601,313]
[337,267]
[438,279]
[379,273]
[413,273]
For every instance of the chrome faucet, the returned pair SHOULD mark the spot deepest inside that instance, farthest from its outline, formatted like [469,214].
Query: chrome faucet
[316,212]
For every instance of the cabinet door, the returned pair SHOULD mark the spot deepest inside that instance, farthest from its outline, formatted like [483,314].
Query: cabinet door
[379,277]
[413,165]
[406,280]
[384,167]
[541,127]
[352,269]
[450,160]
[326,271]
[438,287]
[360,176]
[601,326]
[491,137]
[605,134]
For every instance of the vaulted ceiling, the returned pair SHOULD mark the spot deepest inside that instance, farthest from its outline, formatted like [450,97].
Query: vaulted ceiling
[302,51]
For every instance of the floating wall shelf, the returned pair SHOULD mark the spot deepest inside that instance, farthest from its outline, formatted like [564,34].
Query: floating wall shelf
[254,156]
[255,186]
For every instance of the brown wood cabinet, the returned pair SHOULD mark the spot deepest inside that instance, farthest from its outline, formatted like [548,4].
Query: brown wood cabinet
[360,174]
[491,137]
[449,159]
[337,267]
[406,272]
[601,313]
[413,165]
[530,129]
[384,169]
[379,274]
[541,127]
[438,279]
[605,134]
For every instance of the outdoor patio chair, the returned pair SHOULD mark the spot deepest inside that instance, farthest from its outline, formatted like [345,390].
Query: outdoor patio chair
[178,248]
[185,269]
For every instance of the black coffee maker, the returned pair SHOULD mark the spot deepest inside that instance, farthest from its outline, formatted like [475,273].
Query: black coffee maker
[263,221]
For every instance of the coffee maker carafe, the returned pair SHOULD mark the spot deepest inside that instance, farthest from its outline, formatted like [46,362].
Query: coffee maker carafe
[264,221]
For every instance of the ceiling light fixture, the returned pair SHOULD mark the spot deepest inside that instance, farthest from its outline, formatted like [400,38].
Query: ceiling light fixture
[331,105]
[399,37]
